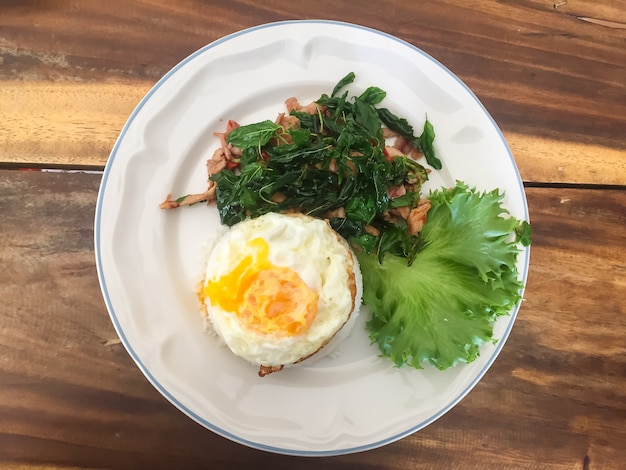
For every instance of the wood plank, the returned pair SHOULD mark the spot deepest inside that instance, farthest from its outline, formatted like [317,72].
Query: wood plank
[555,83]
[70,396]
[77,125]
[64,124]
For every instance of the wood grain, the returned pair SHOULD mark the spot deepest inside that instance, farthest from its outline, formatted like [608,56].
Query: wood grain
[76,125]
[70,396]
[555,82]
[65,124]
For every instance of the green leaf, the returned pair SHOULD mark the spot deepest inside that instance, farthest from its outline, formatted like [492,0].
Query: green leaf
[396,124]
[335,160]
[395,240]
[461,218]
[426,145]
[300,137]
[365,114]
[414,169]
[349,78]
[349,228]
[409,199]
[524,233]
[366,241]
[253,135]
[341,105]
[419,314]
[308,121]
[441,308]
[361,209]
[373,95]
[297,154]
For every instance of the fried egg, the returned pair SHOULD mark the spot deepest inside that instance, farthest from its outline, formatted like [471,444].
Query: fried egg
[278,288]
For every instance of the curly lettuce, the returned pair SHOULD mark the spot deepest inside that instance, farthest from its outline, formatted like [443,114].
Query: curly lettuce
[442,307]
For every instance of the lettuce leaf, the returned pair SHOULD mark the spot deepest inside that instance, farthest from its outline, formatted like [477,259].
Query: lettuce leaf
[441,309]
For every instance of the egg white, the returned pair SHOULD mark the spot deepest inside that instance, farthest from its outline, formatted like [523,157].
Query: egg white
[318,255]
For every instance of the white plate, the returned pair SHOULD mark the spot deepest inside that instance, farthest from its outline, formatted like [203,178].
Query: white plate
[149,260]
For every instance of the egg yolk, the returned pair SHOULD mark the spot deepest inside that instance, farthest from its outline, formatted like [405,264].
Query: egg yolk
[269,299]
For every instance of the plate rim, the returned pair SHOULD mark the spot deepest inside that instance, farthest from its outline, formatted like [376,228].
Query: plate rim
[523,275]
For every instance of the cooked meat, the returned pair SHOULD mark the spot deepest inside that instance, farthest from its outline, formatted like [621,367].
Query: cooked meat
[312,108]
[287,122]
[396,191]
[388,133]
[391,152]
[371,230]
[417,217]
[188,200]
[339,213]
[217,162]
[401,211]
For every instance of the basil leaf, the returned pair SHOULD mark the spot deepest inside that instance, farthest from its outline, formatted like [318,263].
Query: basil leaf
[373,95]
[409,199]
[348,228]
[299,136]
[426,145]
[296,153]
[390,241]
[341,104]
[343,82]
[361,209]
[334,160]
[253,135]
[366,115]
[366,241]
[308,121]
[396,124]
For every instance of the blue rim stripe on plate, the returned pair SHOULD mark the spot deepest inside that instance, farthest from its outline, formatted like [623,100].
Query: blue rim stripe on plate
[144,369]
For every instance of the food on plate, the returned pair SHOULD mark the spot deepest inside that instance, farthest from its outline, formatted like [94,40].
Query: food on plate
[341,159]
[279,288]
[438,269]
[441,308]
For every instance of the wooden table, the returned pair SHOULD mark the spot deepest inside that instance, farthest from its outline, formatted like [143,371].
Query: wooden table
[553,75]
